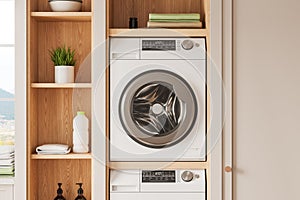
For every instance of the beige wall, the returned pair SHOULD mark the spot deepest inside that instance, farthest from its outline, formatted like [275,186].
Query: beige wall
[267,99]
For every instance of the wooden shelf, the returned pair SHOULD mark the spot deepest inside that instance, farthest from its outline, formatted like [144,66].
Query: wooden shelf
[61,85]
[62,16]
[70,156]
[157,32]
[158,165]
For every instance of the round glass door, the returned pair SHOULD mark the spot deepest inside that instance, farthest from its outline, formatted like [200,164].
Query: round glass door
[158,109]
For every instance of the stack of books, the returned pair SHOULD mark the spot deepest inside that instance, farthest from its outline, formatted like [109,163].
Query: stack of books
[7,160]
[189,20]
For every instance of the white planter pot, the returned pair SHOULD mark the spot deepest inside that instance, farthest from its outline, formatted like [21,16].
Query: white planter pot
[65,6]
[64,74]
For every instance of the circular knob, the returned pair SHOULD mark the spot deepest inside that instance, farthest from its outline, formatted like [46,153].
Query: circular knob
[187,176]
[228,169]
[187,44]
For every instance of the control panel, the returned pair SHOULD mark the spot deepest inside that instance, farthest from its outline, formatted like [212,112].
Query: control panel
[157,48]
[167,45]
[165,176]
[158,45]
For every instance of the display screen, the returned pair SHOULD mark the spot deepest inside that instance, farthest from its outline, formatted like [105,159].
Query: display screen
[162,176]
[158,45]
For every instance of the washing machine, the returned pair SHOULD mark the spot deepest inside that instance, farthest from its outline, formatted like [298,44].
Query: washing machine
[157,99]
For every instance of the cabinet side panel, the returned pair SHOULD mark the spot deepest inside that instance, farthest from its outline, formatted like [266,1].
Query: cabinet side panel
[76,35]
[33,180]
[120,11]
[67,172]
[31,123]
[55,116]
[56,110]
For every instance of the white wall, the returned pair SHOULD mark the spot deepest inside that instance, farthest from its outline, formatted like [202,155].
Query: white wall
[266,99]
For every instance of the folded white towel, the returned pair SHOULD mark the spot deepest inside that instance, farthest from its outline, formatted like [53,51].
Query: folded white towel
[7,162]
[7,156]
[53,149]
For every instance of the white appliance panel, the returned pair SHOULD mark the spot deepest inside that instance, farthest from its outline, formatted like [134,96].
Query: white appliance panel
[125,181]
[177,190]
[128,60]
[157,196]
[124,49]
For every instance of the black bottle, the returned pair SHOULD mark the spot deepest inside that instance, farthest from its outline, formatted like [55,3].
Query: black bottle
[80,192]
[59,193]
[133,22]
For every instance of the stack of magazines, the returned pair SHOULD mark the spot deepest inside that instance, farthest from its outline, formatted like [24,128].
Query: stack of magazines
[7,160]
[188,20]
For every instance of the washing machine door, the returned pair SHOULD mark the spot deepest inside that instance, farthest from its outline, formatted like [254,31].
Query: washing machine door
[158,108]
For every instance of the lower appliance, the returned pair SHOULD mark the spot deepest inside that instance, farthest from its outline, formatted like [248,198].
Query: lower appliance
[157,99]
[158,185]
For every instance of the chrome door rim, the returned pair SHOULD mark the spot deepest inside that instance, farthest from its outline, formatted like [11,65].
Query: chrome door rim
[187,102]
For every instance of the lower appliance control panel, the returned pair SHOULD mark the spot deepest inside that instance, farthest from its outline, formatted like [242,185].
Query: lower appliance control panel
[158,181]
[161,176]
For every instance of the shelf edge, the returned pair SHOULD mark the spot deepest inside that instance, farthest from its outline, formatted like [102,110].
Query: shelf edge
[158,165]
[153,32]
[64,85]
[62,16]
[71,156]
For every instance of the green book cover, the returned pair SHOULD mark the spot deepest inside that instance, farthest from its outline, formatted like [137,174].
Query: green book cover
[179,16]
[174,20]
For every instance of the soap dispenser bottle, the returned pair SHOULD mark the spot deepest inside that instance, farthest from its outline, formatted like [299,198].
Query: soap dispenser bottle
[59,193]
[80,192]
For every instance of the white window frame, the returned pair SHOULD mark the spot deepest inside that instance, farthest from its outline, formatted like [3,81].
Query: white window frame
[20,100]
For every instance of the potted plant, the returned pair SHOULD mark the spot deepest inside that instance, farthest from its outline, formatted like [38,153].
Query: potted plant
[64,63]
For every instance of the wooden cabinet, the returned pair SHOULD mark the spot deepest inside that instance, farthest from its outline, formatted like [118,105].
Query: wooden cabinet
[52,107]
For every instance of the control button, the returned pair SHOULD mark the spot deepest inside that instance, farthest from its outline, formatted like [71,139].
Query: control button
[197,176]
[187,44]
[197,44]
[187,176]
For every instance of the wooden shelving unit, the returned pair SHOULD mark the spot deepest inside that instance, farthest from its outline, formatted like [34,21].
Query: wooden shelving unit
[52,107]
[62,16]
[71,156]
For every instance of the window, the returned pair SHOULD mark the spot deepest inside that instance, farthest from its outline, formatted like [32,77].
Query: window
[7,71]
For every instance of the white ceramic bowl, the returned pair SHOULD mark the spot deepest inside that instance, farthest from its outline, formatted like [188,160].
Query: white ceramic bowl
[65,6]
